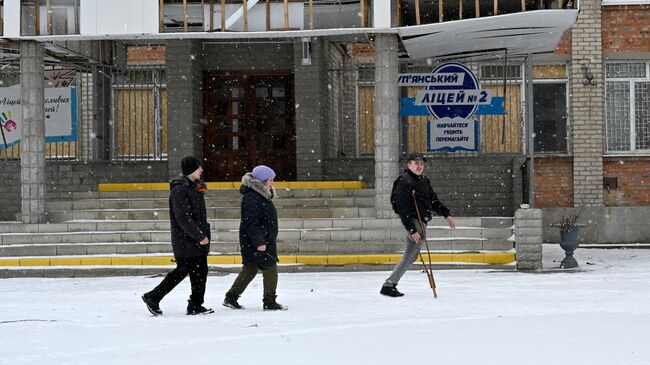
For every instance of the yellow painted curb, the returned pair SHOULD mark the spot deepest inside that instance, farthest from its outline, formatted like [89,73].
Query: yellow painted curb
[374,259]
[65,261]
[95,261]
[221,260]
[494,258]
[158,260]
[10,262]
[311,260]
[499,258]
[235,185]
[127,261]
[35,262]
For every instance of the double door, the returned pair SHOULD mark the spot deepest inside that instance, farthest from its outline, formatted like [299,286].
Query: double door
[250,121]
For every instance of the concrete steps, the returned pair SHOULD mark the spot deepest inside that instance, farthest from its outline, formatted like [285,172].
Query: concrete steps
[127,232]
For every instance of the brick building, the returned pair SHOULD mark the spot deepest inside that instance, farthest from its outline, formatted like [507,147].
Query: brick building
[314,94]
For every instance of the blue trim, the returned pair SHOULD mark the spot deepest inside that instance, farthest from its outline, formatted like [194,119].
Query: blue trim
[408,108]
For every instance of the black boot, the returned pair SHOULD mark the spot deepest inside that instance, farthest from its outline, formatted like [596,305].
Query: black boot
[193,309]
[152,305]
[231,301]
[390,291]
[271,305]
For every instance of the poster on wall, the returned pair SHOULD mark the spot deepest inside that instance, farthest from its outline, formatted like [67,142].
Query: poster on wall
[60,115]
[452,97]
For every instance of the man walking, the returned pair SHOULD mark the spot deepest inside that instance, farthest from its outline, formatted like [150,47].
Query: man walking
[411,188]
[190,235]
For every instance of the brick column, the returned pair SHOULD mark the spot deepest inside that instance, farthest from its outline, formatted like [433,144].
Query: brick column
[587,105]
[184,102]
[387,128]
[32,144]
[311,105]
[528,239]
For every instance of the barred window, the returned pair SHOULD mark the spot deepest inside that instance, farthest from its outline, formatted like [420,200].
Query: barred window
[627,107]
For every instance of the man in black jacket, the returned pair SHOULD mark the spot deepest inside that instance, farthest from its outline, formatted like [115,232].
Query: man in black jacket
[408,189]
[190,234]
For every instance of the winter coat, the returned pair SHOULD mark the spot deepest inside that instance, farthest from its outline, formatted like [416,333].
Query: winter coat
[259,222]
[402,199]
[187,215]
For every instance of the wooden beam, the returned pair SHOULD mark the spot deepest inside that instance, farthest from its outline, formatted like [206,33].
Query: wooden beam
[523,5]
[440,14]
[460,9]
[37,17]
[398,16]
[268,15]
[311,14]
[186,16]
[223,15]
[286,14]
[495,7]
[417,12]
[211,15]
[245,4]
[477,5]
[161,15]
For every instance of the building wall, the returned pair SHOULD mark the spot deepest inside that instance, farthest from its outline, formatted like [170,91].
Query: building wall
[633,180]
[553,182]
[626,28]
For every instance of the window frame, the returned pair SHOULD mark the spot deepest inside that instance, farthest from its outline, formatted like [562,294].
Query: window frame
[568,124]
[631,82]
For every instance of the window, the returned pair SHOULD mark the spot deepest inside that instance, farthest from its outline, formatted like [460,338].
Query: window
[627,107]
[550,119]
[39,17]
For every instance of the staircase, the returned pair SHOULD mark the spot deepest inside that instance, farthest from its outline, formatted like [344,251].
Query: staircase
[126,232]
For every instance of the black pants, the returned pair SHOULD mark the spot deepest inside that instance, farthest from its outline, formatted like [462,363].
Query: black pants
[196,267]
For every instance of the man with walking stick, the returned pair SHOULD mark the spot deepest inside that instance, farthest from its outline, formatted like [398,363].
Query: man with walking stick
[414,201]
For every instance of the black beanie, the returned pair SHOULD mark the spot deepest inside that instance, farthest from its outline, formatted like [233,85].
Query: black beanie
[189,164]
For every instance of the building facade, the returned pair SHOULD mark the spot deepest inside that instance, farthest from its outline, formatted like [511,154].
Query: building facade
[313,93]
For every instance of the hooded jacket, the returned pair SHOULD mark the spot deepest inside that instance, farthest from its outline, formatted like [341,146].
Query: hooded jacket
[259,222]
[410,185]
[188,219]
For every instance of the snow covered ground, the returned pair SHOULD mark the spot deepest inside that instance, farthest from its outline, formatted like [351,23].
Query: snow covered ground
[600,315]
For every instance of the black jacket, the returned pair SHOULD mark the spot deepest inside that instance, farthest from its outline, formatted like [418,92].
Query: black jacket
[189,223]
[402,199]
[259,222]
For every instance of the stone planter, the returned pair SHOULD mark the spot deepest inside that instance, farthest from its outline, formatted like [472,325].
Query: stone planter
[569,243]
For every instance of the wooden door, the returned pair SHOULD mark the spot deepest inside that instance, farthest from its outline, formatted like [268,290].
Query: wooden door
[250,121]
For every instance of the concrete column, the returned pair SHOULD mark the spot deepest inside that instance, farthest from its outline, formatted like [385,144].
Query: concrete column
[528,239]
[184,101]
[32,144]
[387,128]
[587,105]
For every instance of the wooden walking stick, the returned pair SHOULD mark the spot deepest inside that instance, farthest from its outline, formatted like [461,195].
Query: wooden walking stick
[429,269]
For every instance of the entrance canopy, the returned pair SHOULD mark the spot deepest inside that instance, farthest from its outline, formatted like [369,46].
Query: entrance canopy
[519,33]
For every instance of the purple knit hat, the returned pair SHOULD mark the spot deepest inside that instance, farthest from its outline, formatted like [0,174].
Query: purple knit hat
[263,173]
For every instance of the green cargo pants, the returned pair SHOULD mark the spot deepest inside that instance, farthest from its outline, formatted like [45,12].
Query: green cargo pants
[247,274]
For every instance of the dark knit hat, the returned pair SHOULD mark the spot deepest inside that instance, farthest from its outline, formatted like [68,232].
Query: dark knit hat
[416,156]
[189,164]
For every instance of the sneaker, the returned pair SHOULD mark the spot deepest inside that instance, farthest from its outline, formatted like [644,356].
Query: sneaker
[231,301]
[152,305]
[390,291]
[272,305]
[193,309]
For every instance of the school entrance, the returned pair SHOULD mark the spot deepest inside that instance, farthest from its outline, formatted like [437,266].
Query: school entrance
[249,121]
